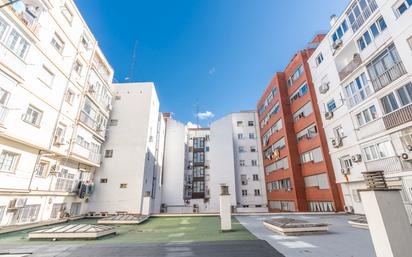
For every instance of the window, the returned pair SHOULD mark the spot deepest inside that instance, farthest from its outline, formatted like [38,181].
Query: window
[319,59]
[251,135]
[103,180]
[274,129]
[75,209]
[240,123]
[295,76]
[67,13]
[374,30]
[283,184]
[8,161]
[41,169]
[303,112]
[268,99]
[114,122]
[244,192]
[17,44]
[254,163]
[199,157]
[399,98]
[314,155]
[199,172]
[275,109]
[367,115]
[198,186]
[346,162]
[59,135]
[300,92]
[307,133]
[338,132]
[57,209]
[402,7]
[46,76]
[243,179]
[29,213]
[2,209]
[257,192]
[251,123]
[357,90]
[33,116]
[3,27]
[199,142]
[340,31]
[85,41]
[359,12]
[410,42]
[78,67]
[278,165]
[69,97]
[242,163]
[108,154]
[124,185]
[4,96]
[240,136]
[331,106]
[255,177]
[241,149]
[319,180]
[253,149]
[379,150]
[57,43]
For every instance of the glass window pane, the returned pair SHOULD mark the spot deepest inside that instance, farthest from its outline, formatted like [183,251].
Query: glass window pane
[367,37]
[382,24]
[373,112]
[374,29]
[393,101]
[403,96]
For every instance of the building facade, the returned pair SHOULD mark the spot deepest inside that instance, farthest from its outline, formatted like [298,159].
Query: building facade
[362,74]
[133,154]
[56,95]
[226,153]
[299,172]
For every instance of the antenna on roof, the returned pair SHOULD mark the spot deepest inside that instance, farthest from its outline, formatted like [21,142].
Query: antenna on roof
[133,63]
[197,113]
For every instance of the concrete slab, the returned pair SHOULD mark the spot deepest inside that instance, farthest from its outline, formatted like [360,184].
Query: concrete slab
[294,227]
[73,231]
[342,240]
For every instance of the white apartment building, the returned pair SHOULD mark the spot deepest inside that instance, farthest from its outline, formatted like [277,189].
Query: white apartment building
[133,153]
[55,99]
[363,70]
[198,160]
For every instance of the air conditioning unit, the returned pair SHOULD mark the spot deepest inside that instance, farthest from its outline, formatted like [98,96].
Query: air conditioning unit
[349,209]
[337,44]
[409,147]
[345,171]
[357,158]
[337,142]
[324,88]
[328,115]
[406,157]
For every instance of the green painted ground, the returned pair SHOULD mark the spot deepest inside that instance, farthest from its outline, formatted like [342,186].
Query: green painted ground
[155,230]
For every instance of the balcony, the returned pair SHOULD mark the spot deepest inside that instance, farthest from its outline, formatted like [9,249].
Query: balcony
[388,76]
[391,164]
[366,13]
[371,128]
[86,153]
[350,67]
[30,15]
[92,124]
[399,117]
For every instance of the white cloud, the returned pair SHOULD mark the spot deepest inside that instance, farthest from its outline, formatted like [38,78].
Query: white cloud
[212,71]
[191,125]
[205,115]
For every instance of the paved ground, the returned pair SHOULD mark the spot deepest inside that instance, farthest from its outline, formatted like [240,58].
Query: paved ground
[341,241]
[155,230]
[249,248]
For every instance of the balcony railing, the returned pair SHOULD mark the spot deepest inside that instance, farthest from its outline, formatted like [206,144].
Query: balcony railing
[3,114]
[348,69]
[366,13]
[95,157]
[388,76]
[29,18]
[398,117]
[91,123]
[391,164]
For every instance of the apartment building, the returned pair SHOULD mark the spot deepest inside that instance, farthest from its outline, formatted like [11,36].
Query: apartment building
[362,74]
[133,153]
[55,86]
[226,153]
[298,170]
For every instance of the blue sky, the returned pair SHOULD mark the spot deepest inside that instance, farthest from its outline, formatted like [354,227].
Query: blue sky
[218,55]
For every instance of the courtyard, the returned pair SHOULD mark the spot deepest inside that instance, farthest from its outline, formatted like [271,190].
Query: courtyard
[200,236]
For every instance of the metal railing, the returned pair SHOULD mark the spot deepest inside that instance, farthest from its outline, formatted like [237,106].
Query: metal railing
[398,117]
[91,123]
[31,22]
[388,76]
[366,13]
[390,164]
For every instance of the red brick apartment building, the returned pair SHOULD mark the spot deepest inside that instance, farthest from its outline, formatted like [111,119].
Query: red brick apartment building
[298,170]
